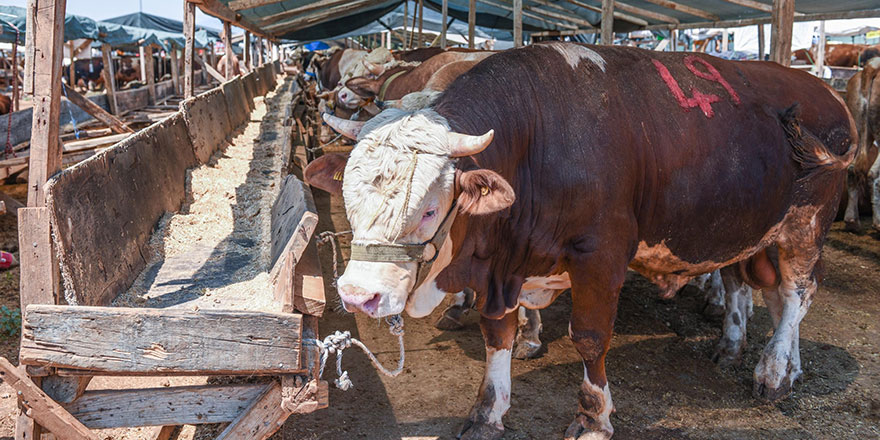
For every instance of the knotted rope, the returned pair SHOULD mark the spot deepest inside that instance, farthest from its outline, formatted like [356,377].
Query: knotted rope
[338,341]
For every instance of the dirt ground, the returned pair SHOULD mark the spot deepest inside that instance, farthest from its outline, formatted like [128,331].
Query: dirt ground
[663,381]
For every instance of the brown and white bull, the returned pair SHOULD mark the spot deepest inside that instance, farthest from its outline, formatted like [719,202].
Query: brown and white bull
[863,179]
[547,171]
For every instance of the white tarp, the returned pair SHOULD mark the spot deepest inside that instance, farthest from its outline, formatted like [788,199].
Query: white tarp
[746,38]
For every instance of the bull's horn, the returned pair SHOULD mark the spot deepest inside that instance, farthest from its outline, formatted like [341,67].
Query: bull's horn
[375,69]
[461,145]
[345,127]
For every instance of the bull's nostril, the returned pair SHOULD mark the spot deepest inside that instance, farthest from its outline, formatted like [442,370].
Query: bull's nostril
[372,304]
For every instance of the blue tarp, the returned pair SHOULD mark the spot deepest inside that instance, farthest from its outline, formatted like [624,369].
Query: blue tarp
[75,26]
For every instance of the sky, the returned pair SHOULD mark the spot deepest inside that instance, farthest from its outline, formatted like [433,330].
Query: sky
[102,9]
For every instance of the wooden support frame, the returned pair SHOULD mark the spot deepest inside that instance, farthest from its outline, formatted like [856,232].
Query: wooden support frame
[109,75]
[820,49]
[617,14]
[517,23]
[761,42]
[444,12]
[686,9]
[300,22]
[228,55]
[607,22]
[247,51]
[421,19]
[472,22]
[175,70]
[211,71]
[782,22]
[148,66]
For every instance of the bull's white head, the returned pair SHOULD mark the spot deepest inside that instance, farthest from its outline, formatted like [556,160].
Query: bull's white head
[399,184]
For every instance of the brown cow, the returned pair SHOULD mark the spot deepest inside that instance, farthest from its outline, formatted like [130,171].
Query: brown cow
[589,185]
[863,99]
[5,104]
[843,55]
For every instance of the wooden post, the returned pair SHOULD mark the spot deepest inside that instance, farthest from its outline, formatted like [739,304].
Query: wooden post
[175,70]
[227,43]
[189,30]
[143,63]
[247,50]
[517,23]
[421,17]
[45,157]
[673,39]
[109,74]
[71,74]
[151,73]
[725,40]
[95,110]
[472,22]
[213,55]
[444,11]
[820,49]
[781,24]
[761,42]
[405,15]
[607,22]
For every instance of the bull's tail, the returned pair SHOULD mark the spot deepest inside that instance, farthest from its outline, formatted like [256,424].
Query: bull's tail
[807,150]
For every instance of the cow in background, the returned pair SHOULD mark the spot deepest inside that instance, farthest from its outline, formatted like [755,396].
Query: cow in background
[5,104]
[863,178]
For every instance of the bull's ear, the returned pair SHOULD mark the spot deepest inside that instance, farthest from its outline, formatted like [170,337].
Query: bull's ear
[364,87]
[484,192]
[326,172]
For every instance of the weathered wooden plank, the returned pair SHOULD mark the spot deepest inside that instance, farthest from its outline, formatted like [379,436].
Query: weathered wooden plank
[147,63]
[781,24]
[294,218]
[109,75]
[96,111]
[104,210]
[41,407]
[161,341]
[607,36]
[211,70]
[190,405]
[39,279]
[229,65]
[127,100]
[189,30]
[207,118]
[175,71]
[308,282]
[263,418]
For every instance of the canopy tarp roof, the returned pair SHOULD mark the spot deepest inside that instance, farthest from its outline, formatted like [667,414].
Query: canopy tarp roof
[149,21]
[75,26]
[315,19]
[118,35]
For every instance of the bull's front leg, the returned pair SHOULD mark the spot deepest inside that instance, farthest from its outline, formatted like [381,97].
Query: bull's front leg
[493,400]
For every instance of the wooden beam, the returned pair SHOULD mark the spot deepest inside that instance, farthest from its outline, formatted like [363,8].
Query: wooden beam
[607,22]
[41,407]
[444,13]
[294,218]
[189,405]
[845,15]
[320,16]
[211,71]
[820,51]
[685,8]
[109,75]
[782,21]
[82,46]
[263,418]
[566,15]
[161,341]
[45,159]
[761,42]
[240,5]
[509,7]
[617,14]
[472,22]
[309,7]
[71,74]
[116,125]
[421,19]
[412,35]
[216,8]
[763,7]
[189,53]
[517,23]
[645,13]
[247,50]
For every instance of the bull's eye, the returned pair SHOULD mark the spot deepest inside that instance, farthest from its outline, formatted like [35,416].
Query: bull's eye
[429,214]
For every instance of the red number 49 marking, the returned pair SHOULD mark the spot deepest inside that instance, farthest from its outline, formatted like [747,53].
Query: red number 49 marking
[699,99]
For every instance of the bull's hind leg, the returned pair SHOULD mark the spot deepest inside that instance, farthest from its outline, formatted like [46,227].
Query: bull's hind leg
[493,400]
[875,202]
[451,318]
[528,338]
[738,301]
[713,286]
[594,295]
[799,249]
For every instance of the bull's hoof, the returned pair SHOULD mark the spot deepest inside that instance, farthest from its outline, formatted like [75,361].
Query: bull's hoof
[769,394]
[479,431]
[713,311]
[525,349]
[451,319]
[577,431]
[728,353]
[852,226]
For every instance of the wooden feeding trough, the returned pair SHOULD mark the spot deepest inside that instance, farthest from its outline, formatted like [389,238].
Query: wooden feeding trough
[100,215]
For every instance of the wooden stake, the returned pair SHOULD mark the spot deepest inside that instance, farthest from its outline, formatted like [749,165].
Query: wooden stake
[444,11]
[405,15]
[781,25]
[421,17]
[761,41]
[71,74]
[109,74]
[247,50]
[189,23]
[820,55]
[472,22]
[725,40]
[607,22]
[517,23]
[150,72]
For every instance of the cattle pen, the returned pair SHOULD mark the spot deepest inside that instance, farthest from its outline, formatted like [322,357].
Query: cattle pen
[173,277]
